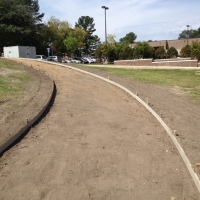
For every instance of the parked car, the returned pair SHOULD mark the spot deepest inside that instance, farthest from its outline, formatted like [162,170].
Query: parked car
[41,57]
[54,58]
[93,59]
[82,60]
[75,61]
[89,60]
[68,60]
[63,60]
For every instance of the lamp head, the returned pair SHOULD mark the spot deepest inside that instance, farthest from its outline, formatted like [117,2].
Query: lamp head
[106,8]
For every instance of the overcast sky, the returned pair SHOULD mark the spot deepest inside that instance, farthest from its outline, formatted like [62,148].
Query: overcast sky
[148,19]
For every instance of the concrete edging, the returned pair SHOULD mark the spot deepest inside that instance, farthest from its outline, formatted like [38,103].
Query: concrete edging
[164,125]
[167,129]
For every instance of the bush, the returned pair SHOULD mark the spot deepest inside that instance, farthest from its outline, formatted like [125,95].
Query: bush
[172,52]
[186,51]
[195,50]
[143,50]
[160,53]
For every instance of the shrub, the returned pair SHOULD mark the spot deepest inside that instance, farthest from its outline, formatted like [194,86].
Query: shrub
[160,53]
[172,52]
[186,51]
[195,50]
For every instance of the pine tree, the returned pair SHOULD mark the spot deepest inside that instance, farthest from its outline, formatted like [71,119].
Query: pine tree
[19,21]
[90,41]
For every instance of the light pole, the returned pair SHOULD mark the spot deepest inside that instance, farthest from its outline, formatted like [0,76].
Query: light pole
[187,33]
[106,8]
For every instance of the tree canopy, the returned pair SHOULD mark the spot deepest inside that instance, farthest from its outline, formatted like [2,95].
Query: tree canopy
[195,50]
[192,33]
[128,39]
[90,41]
[143,50]
[19,22]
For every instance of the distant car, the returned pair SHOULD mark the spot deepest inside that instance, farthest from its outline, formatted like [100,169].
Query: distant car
[54,58]
[41,57]
[93,59]
[75,61]
[67,60]
[64,60]
[82,60]
[89,60]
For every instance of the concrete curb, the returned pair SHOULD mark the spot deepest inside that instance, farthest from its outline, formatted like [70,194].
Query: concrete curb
[8,142]
[167,129]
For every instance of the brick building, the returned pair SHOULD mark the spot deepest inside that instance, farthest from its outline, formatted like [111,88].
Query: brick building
[177,44]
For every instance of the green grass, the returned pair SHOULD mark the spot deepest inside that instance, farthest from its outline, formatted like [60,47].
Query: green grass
[12,78]
[187,80]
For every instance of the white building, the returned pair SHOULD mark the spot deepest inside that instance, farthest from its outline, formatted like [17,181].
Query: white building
[19,52]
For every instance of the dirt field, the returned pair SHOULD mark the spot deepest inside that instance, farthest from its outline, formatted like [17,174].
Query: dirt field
[97,142]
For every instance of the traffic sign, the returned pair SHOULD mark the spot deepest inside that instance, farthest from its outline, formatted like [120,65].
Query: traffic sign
[52,47]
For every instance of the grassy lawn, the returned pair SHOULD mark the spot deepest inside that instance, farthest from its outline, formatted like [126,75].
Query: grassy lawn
[12,78]
[187,80]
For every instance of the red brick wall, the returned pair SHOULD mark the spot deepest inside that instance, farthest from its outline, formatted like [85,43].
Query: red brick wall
[138,62]
[182,63]
[150,62]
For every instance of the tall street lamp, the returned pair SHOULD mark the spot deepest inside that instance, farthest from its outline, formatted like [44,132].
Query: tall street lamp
[106,8]
[187,33]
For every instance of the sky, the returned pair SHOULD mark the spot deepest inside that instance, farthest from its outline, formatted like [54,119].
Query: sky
[148,19]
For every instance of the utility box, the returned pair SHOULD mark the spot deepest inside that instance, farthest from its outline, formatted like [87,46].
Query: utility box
[19,52]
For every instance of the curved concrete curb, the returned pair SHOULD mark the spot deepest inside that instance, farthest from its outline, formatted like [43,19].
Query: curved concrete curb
[7,143]
[168,130]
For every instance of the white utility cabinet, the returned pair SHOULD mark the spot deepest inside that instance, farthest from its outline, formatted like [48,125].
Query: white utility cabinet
[19,52]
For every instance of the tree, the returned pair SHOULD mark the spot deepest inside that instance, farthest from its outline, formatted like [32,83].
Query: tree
[186,51]
[75,41]
[19,21]
[125,53]
[150,52]
[128,39]
[160,53]
[59,30]
[111,38]
[111,51]
[189,34]
[172,52]
[143,50]
[195,50]
[95,41]
[90,41]
[99,52]
[34,7]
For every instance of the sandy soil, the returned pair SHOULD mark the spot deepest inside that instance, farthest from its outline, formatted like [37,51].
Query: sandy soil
[17,110]
[96,142]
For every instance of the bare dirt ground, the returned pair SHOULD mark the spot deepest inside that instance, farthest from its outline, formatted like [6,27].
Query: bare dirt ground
[97,142]
[19,109]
